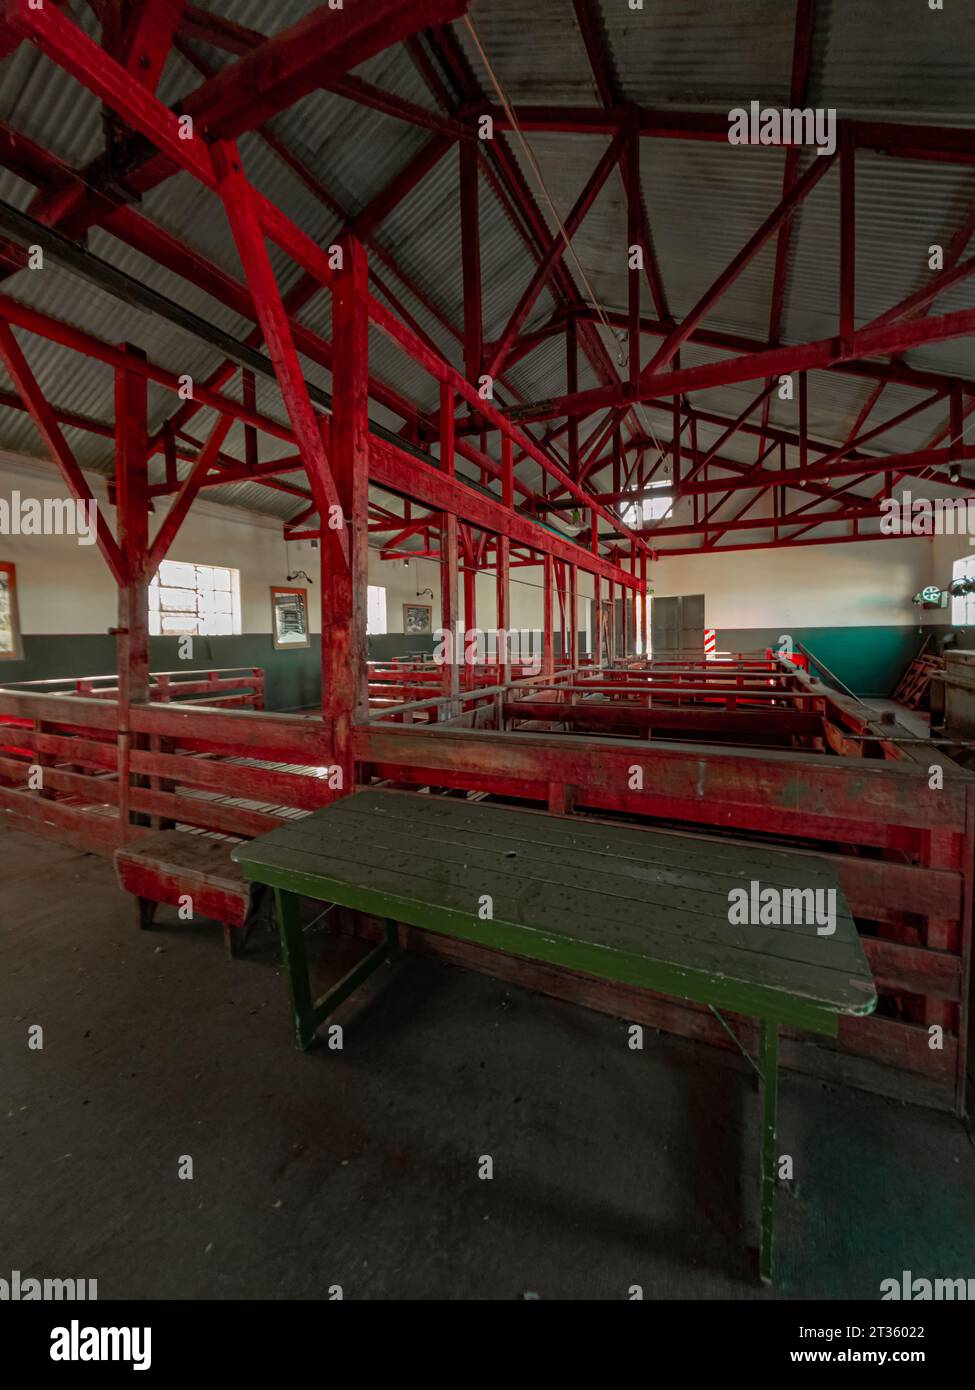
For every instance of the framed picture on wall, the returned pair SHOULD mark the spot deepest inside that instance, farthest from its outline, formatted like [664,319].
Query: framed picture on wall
[289,617]
[10,644]
[417,618]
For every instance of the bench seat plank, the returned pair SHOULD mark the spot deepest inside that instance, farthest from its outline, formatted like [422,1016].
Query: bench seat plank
[164,868]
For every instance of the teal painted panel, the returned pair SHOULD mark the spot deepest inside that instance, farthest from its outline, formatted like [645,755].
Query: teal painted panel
[292,678]
[870,660]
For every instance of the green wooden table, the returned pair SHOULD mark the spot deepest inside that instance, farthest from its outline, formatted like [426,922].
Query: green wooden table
[640,907]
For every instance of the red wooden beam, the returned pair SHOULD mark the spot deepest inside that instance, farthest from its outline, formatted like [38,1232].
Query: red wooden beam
[782,543]
[407,476]
[515,195]
[444,373]
[792,477]
[951,144]
[736,343]
[316,50]
[825,352]
[239,204]
[554,252]
[188,491]
[47,426]
[784,210]
[148,38]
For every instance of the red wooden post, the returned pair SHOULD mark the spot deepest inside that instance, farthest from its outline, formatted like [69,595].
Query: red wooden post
[132,503]
[643,603]
[449,603]
[597,621]
[503,556]
[504,609]
[548,661]
[344,588]
[573,606]
[470,617]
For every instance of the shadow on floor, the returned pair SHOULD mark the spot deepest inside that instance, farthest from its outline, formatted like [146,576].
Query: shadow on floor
[360,1167]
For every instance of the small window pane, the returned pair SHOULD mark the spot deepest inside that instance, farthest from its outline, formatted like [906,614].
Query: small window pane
[201,600]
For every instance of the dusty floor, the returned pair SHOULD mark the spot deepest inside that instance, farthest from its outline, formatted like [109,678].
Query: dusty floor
[360,1168]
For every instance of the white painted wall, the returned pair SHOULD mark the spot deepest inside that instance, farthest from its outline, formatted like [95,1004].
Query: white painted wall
[869,583]
[403,584]
[66,588]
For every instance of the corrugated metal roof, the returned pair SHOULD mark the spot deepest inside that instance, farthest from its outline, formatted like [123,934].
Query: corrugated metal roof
[695,53]
[703,199]
[536,51]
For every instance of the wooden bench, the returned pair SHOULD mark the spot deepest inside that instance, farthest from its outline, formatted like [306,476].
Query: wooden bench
[174,865]
[612,902]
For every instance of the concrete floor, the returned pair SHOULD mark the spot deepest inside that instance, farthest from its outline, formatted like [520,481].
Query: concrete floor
[360,1168]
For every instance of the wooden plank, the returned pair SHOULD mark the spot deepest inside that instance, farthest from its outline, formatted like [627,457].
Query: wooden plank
[72,710]
[183,850]
[200,811]
[99,790]
[296,738]
[71,750]
[287,788]
[613,714]
[914,969]
[85,829]
[859,801]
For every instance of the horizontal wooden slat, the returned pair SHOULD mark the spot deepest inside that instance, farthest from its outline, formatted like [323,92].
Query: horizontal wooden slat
[60,709]
[95,789]
[291,737]
[92,831]
[935,974]
[200,811]
[75,750]
[856,800]
[260,784]
[900,1044]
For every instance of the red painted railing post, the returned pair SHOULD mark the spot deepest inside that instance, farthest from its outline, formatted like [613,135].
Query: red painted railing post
[345,693]
[132,503]
[548,663]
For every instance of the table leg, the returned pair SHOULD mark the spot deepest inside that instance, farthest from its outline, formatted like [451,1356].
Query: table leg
[769,1048]
[296,966]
